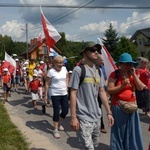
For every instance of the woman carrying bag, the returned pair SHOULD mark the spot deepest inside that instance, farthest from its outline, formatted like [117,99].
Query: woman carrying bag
[126,131]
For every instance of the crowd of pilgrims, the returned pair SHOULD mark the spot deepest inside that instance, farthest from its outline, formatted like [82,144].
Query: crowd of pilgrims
[28,73]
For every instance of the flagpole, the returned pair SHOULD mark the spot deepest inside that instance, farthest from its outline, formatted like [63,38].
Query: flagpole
[27,41]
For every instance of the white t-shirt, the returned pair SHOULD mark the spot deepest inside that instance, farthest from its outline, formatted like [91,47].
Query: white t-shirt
[38,72]
[58,81]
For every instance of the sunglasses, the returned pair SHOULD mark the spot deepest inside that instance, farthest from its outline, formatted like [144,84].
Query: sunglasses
[93,50]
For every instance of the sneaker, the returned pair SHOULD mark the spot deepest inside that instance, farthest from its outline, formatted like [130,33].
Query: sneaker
[17,90]
[103,130]
[56,134]
[61,128]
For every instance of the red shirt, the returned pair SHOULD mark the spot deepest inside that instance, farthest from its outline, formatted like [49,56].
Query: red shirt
[127,93]
[18,69]
[6,78]
[144,76]
[42,66]
[34,84]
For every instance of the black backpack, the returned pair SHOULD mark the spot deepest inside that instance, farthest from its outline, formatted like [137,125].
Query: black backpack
[83,73]
[82,76]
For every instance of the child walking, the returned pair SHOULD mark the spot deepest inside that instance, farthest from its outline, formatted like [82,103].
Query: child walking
[6,84]
[33,87]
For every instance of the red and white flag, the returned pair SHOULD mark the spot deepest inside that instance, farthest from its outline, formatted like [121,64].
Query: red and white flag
[109,63]
[51,34]
[10,64]
[40,37]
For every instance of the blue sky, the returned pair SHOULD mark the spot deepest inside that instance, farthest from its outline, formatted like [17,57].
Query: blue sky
[78,24]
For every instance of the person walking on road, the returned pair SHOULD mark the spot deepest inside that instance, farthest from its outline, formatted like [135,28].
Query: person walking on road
[33,87]
[143,97]
[100,64]
[30,67]
[126,132]
[18,75]
[84,107]
[6,84]
[57,83]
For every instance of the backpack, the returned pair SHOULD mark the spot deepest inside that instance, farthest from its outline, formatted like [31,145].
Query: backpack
[83,73]
[116,76]
[82,76]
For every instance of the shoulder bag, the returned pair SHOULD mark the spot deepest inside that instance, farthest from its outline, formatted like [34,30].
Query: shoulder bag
[128,107]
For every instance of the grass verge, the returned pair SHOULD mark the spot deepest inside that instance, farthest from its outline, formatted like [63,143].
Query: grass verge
[10,137]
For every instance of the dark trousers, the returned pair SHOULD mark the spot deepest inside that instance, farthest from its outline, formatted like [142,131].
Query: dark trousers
[100,105]
[58,102]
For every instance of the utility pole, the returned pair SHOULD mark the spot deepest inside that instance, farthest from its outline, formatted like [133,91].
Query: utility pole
[27,48]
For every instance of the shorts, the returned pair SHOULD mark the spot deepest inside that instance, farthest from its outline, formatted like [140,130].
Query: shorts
[88,134]
[6,88]
[16,80]
[35,96]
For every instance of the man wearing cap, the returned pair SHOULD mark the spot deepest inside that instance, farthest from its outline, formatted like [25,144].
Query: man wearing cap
[85,111]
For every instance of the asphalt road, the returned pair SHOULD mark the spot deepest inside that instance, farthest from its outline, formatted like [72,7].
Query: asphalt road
[35,124]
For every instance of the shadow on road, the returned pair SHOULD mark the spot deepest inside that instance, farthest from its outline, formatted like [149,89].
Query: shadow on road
[38,112]
[18,102]
[144,118]
[42,125]
[38,149]
[73,142]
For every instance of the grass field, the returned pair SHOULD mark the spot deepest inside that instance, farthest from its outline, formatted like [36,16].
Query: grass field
[10,137]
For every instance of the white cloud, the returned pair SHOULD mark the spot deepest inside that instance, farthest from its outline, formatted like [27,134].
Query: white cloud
[80,24]
[15,30]
[135,22]
[96,29]
[71,37]
[12,28]
[68,2]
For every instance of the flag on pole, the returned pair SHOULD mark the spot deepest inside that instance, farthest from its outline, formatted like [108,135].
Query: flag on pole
[51,34]
[10,63]
[40,37]
[109,63]
[53,52]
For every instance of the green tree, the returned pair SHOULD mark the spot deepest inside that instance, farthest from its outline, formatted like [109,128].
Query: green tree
[111,39]
[9,46]
[125,45]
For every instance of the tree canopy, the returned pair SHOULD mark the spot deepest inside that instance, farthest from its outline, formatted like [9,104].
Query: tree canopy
[111,38]
[71,50]
[125,45]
